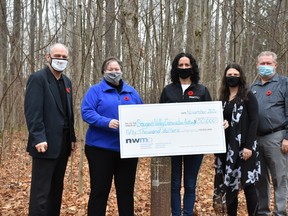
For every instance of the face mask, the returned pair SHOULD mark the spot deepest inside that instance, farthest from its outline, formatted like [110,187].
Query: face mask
[185,73]
[265,70]
[232,81]
[113,77]
[59,64]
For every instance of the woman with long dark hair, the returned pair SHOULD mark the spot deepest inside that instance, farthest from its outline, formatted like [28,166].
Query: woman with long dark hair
[239,166]
[184,88]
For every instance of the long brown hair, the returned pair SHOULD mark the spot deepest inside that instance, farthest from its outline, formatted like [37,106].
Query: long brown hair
[224,91]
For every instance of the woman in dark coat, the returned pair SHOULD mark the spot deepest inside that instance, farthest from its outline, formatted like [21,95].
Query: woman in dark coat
[185,87]
[239,166]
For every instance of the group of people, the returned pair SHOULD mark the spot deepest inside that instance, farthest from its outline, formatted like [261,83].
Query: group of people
[256,140]
[255,126]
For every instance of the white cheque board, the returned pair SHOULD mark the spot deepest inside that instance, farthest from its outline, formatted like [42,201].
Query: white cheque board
[148,130]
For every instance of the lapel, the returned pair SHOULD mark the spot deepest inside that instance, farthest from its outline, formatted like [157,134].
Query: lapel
[54,89]
[68,91]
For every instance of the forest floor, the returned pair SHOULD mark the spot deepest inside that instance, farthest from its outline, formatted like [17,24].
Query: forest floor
[15,175]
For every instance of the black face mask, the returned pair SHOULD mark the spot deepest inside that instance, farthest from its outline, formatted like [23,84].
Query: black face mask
[232,81]
[185,73]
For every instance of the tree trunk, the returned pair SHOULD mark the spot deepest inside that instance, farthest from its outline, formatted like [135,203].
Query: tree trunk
[110,28]
[160,186]
[130,41]
[3,67]
[32,36]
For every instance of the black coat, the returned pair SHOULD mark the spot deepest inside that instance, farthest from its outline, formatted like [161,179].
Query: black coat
[44,113]
[173,93]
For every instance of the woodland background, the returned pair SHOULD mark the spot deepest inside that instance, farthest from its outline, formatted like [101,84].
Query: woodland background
[145,34]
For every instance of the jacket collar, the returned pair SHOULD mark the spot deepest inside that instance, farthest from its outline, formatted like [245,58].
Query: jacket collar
[275,78]
[107,87]
[179,84]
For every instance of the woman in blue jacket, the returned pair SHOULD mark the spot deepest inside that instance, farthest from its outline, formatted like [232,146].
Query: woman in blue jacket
[102,149]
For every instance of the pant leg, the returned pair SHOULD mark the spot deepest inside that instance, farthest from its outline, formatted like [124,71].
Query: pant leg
[47,181]
[101,168]
[124,179]
[176,176]
[192,165]
[42,172]
[276,162]
[251,199]
[278,169]
[232,207]
[263,185]
[57,182]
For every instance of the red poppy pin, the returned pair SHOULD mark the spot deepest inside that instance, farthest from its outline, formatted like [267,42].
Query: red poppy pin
[126,98]
[68,90]
[269,92]
[190,93]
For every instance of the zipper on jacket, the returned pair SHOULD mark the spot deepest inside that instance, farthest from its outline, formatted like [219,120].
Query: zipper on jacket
[119,99]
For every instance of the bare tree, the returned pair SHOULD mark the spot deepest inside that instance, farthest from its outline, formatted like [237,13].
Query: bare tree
[98,38]
[11,78]
[3,70]
[110,28]
[130,40]
[32,35]
[146,35]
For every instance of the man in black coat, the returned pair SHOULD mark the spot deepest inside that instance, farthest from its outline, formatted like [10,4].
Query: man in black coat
[50,122]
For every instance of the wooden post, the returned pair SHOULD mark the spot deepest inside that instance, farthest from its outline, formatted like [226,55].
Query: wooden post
[160,186]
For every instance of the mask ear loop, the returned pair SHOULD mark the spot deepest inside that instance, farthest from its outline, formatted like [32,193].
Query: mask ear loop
[50,62]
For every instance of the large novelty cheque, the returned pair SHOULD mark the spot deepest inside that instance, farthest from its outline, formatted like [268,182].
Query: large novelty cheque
[148,130]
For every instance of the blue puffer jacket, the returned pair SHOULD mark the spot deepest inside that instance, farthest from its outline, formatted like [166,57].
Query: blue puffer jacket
[99,107]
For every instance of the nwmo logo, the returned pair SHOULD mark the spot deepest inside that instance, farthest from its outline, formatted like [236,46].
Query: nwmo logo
[139,140]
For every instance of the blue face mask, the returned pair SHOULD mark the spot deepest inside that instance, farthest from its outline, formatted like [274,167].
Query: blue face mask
[265,70]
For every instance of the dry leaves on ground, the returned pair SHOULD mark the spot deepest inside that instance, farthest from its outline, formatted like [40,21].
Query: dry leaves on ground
[15,174]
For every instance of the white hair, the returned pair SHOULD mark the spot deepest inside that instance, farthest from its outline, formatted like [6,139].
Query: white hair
[268,53]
